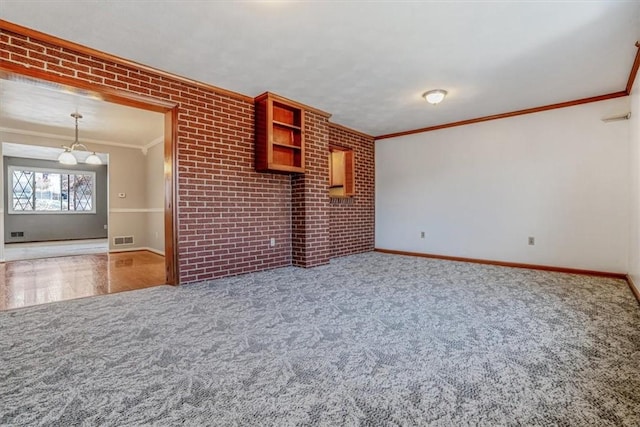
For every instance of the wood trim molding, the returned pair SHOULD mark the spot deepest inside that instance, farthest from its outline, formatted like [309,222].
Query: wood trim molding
[348,129]
[171,196]
[634,289]
[508,264]
[137,249]
[505,115]
[634,70]
[289,101]
[28,32]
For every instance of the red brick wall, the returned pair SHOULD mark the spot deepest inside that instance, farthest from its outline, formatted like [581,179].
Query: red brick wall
[310,197]
[352,219]
[226,211]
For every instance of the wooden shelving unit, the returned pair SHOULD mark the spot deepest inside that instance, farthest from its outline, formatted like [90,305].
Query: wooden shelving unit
[279,135]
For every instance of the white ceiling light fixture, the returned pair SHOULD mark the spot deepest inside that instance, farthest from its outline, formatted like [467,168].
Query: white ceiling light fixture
[434,96]
[93,159]
[67,157]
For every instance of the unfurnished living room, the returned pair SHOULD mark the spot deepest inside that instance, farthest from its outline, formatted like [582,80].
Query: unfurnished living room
[320,213]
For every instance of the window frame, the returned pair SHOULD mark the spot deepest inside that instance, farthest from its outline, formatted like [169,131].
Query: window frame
[10,182]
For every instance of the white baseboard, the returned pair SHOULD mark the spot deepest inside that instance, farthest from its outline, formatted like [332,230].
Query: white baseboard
[138,248]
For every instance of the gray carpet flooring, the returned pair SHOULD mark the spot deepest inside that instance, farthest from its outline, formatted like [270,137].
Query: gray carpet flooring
[371,339]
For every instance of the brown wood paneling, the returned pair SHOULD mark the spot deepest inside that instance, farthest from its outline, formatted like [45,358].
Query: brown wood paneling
[508,264]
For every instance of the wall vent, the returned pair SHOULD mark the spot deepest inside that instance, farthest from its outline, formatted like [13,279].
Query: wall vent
[122,240]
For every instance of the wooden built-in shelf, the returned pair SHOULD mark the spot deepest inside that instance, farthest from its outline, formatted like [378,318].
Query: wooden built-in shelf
[279,135]
[295,147]
[287,125]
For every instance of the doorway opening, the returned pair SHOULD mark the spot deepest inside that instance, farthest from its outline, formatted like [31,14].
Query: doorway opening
[143,203]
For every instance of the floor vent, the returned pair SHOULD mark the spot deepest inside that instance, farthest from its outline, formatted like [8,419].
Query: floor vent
[122,240]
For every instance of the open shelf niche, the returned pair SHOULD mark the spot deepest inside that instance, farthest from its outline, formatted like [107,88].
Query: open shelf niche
[279,135]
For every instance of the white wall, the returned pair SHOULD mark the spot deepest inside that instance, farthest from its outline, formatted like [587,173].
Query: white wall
[634,164]
[155,197]
[128,215]
[479,191]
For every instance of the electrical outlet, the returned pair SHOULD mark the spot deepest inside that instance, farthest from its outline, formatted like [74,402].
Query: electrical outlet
[422,234]
[532,241]
[272,242]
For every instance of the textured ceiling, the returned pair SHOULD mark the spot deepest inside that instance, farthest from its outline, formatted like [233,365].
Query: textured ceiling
[43,110]
[367,63]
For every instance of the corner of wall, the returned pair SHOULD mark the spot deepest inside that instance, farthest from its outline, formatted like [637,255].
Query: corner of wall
[634,189]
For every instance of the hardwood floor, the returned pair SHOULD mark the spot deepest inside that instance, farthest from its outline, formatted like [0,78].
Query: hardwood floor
[38,281]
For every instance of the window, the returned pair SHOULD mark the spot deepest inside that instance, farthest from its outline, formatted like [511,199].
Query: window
[33,190]
[341,172]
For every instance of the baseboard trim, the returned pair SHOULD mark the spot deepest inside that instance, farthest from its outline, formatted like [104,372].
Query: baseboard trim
[508,264]
[633,287]
[137,249]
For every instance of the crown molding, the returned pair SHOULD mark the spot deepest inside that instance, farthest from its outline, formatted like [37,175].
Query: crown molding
[506,115]
[625,92]
[153,143]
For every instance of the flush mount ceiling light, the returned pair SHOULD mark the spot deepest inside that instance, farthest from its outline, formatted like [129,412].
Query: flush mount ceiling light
[68,158]
[434,96]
